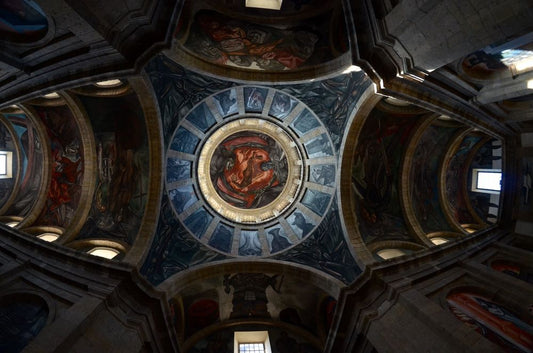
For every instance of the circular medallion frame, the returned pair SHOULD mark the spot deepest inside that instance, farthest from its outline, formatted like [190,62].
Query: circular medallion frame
[211,190]
[278,118]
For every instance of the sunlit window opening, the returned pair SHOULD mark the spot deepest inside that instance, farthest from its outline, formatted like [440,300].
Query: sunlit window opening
[265,4]
[53,95]
[49,237]
[6,164]
[518,60]
[105,252]
[252,347]
[387,254]
[252,342]
[109,83]
[438,240]
[486,180]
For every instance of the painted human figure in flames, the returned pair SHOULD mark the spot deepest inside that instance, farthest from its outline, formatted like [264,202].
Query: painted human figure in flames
[249,169]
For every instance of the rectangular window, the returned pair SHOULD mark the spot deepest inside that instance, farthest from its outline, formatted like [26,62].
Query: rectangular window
[486,180]
[264,4]
[251,342]
[252,347]
[6,164]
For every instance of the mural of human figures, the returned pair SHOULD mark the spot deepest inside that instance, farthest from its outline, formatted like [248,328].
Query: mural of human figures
[122,160]
[22,21]
[249,169]
[230,42]
[67,166]
[249,293]
[21,318]
[513,269]
[494,321]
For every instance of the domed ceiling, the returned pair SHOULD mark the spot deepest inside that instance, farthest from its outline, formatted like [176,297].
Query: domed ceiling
[247,166]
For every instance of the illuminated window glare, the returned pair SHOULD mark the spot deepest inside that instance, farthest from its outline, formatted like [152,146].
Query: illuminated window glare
[252,347]
[265,4]
[438,240]
[6,164]
[486,180]
[49,237]
[252,342]
[105,252]
[109,83]
[387,254]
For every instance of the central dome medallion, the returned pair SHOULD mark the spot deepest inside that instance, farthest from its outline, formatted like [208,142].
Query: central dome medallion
[250,170]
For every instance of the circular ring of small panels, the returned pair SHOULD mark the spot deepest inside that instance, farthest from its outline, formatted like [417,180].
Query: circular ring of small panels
[251,171]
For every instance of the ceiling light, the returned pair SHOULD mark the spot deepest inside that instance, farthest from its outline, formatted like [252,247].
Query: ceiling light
[12,224]
[52,95]
[352,68]
[265,4]
[109,83]
[49,237]
[105,252]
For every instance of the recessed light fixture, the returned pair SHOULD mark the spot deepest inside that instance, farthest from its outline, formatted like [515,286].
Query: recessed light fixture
[52,95]
[103,251]
[12,224]
[265,4]
[49,237]
[109,83]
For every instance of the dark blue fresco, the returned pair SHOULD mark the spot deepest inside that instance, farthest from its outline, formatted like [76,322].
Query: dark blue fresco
[174,248]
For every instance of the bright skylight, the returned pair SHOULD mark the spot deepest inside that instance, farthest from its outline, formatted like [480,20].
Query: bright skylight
[252,347]
[6,167]
[50,237]
[3,164]
[108,253]
[489,180]
[265,4]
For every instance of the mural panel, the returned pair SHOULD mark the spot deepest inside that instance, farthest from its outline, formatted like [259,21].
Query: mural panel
[493,321]
[456,176]
[67,166]
[22,21]
[32,164]
[226,41]
[122,160]
[428,156]
[376,176]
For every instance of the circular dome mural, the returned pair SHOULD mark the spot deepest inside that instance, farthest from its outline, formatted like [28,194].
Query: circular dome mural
[250,171]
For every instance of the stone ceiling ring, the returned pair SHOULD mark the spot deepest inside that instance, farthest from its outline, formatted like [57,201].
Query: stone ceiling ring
[250,170]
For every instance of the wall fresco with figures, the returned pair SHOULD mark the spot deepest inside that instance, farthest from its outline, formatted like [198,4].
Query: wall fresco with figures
[7,143]
[66,163]
[427,159]
[492,320]
[223,40]
[456,176]
[245,295]
[22,21]
[185,110]
[376,175]
[483,159]
[32,164]
[122,162]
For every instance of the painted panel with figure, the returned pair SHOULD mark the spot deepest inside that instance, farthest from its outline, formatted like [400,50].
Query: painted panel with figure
[428,156]
[226,41]
[32,164]
[66,163]
[492,320]
[122,162]
[456,176]
[376,176]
